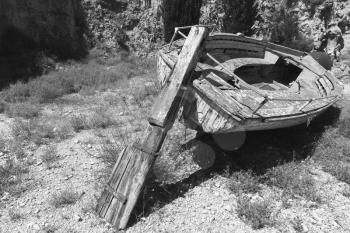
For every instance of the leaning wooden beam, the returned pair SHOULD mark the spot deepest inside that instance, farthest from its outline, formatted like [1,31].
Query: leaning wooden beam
[167,104]
[129,174]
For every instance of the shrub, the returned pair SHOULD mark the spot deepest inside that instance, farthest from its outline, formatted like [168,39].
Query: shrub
[294,178]
[15,215]
[25,110]
[17,92]
[3,143]
[20,129]
[297,224]
[79,122]
[64,198]
[11,175]
[338,169]
[3,106]
[344,127]
[41,131]
[49,156]
[276,23]
[73,78]
[63,129]
[243,182]
[101,118]
[144,93]
[229,15]
[109,155]
[257,213]
[16,148]
[48,228]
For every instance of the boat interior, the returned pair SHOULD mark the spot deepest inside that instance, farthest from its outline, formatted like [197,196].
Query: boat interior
[266,66]
[263,68]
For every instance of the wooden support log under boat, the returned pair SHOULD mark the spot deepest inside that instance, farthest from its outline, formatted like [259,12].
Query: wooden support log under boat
[134,162]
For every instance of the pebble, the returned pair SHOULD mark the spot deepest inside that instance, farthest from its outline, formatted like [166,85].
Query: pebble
[228,208]
[68,177]
[1,153]
[89,146]
[78,218]
[5,196]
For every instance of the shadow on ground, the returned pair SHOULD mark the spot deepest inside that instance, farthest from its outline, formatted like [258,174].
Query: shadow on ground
[261,151]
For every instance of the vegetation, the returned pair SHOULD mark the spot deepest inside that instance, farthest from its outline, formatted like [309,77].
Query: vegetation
[49,156]
[294,179]
[25,110]
[257,213]
[11,174]
[64,198]
[15,214]
[89,76]
[243,182]
[276,22]
[230,15]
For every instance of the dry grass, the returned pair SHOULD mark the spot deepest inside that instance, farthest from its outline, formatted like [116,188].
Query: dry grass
[338,169]
[2,106]
[297,224]
[243,182]
[333,151]
[49,156]
[110,151]
[41,130]
[11,174]
[257,213]
[87,77]
[79,122]
[16,149]
[3,143]
[26,110]
[64,198]
[295,180]
[15,215]
[144,93]
[99,118]
[49,229]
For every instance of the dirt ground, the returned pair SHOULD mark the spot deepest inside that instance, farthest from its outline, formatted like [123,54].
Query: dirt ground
[181,197]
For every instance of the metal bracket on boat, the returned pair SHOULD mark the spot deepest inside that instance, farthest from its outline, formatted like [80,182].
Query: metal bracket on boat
[266,99]
[306,104]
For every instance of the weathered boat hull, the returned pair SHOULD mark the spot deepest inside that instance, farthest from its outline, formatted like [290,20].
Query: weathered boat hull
[214,108]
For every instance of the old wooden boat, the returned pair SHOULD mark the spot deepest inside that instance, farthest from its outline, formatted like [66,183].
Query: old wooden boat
[220,83]
[241,83]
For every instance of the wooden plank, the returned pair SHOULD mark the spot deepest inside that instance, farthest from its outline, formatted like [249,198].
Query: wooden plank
[167,105]
[230,36]
[227,44]
[129,174]
[279,48]
[218,98]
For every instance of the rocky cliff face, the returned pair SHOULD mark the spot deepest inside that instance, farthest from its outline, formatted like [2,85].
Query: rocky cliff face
[52,25]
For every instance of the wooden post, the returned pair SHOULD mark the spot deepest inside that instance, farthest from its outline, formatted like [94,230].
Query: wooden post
[130,171]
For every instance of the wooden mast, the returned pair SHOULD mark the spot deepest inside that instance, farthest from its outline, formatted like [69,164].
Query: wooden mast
[130,171]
